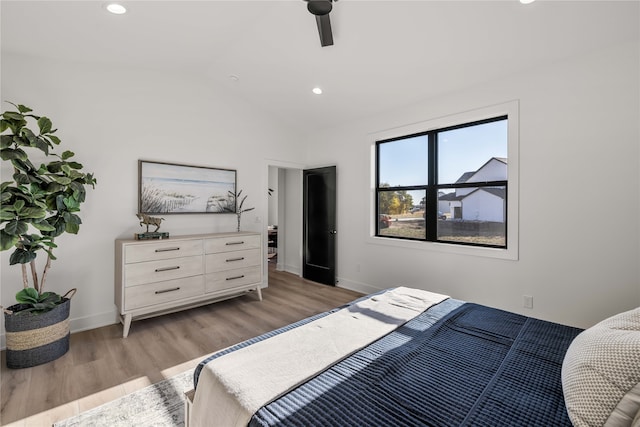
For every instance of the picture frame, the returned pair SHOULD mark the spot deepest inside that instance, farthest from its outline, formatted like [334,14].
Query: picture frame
[172,188]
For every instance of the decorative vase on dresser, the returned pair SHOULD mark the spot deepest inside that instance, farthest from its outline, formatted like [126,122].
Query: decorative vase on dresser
[155,277]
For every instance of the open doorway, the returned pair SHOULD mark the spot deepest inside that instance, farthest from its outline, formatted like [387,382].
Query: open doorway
[272,216]
[284,218]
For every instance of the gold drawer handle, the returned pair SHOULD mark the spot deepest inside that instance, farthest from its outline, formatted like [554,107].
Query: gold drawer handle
[158,270]
[234,243]
[234,278]
[167,249]
[168,290]
[235,259]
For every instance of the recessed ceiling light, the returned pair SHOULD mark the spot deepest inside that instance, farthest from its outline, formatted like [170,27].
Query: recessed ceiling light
[526,1]
[316,90]
[233,78]
[116,8]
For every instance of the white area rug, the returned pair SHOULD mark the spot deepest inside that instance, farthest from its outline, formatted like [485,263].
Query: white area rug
[160,404]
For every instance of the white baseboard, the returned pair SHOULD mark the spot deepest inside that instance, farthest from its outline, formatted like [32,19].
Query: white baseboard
[352,285]
[292,269]
[81,324]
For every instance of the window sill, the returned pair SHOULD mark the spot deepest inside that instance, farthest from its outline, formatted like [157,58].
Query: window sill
[509,254]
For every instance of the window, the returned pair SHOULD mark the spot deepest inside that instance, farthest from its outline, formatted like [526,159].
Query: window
[448,184]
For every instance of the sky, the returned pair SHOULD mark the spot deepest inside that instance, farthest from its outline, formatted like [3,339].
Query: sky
[404,162]
[461,150]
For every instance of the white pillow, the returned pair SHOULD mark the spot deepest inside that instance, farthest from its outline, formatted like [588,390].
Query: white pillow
[601,373]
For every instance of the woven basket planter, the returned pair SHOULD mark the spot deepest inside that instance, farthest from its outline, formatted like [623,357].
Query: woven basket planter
[34,339]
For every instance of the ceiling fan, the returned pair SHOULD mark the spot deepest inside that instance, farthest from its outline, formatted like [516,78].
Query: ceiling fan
[321,9]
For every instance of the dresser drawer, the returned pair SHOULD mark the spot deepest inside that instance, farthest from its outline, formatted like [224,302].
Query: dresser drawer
[164,249]
[231,243]
[162,292]
[229,279]
[156,271]
[232,260]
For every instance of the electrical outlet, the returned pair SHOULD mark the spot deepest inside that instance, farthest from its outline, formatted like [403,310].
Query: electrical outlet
[527,301]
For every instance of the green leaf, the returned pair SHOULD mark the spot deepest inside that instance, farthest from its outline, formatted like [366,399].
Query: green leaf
[4,125]
[54,167]
[60,179]
[18,205]
[42,145]
[5,196]
[89,179]
[49,298]
[68,154]
[54,187]
[54,139]
[45,125]
[10,115]
[72,228]
[7,241]
[13,153]
[29,135]
[59,225]
[43,226]
[49,244]
[32,213]
[27,296]
[24,165]
[75,165]
[22,256]
[72,204]
[16,227]
[22,108]
[6,141]
[38,302]
[7,214]
[50,253]
[22,178]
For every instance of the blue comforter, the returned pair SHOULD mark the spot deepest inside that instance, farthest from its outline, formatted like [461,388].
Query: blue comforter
[456,364]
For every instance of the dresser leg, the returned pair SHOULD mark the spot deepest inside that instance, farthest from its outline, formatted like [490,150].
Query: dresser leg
[126,325]
[259,292]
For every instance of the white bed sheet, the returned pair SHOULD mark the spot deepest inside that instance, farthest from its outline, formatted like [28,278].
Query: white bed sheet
[233,387]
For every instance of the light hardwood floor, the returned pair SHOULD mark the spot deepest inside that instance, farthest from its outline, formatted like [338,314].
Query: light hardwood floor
[101,365]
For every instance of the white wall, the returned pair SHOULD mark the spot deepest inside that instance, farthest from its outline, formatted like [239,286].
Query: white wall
[579,136]
[578,132]
[111,117]
[290,233]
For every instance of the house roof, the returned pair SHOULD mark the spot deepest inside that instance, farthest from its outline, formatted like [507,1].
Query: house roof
[268,54]
[467,175]
[448,197]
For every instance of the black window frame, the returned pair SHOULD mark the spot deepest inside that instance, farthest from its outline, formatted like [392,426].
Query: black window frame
[432,187]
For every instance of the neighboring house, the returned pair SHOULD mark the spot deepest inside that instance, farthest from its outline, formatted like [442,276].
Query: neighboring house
[478,204]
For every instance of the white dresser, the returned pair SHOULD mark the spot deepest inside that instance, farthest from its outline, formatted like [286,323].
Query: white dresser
[155,277]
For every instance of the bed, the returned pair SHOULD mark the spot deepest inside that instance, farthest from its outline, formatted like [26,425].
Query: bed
[452,364]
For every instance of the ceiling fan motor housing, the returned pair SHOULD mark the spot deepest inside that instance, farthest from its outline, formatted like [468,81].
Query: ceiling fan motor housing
[319,7]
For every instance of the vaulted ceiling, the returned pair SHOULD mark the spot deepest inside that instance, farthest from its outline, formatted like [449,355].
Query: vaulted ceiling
[387,54]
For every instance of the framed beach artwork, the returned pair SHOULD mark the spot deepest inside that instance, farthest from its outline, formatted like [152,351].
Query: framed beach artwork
[168,188]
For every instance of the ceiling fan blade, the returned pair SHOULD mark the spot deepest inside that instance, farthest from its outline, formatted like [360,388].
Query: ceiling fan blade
[324,29]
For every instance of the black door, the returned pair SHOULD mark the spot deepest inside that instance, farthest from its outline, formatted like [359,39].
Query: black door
[319,225]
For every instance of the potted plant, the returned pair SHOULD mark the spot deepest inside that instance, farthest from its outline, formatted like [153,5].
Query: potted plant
[38,205]
[231,205]
[239,206]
